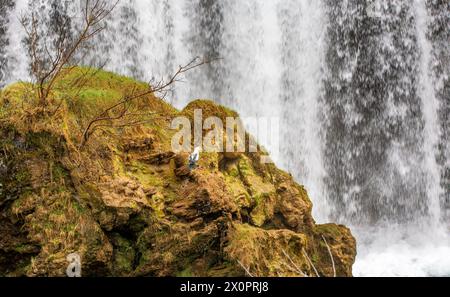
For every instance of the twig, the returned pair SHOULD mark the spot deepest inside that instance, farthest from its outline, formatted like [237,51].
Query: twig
[293,263]
[311,263]
[331,255]
[246,270]
[126,101]
[47,64]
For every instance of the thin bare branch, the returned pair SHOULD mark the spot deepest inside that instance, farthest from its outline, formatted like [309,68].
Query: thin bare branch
[311,263]
[125,102]
[293,263]
[246,269]
[47,63]
[331,255]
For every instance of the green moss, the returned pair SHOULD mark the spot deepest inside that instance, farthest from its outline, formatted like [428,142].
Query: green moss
[233,172]
[170,196]
[315,258]
[164,135]
[245,167]
[44,145]
[185,273]
[124,254]
[209,108]
[59,173]
[3,112]
[22,177]
[260,213]
[145,174]
[209,161]
[71,227]
[158,205]
[17,92]
[258,217]
[332,230]
[97,97]
[24,248]
[168,242]
[91,78]
[88,192]
[78,208]
[118,166]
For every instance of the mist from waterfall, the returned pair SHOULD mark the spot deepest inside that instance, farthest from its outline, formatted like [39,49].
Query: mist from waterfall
[361,88]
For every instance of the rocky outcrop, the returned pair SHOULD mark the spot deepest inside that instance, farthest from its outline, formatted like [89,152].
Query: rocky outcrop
[129,206]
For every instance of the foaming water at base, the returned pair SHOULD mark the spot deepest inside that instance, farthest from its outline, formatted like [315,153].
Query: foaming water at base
[413,252]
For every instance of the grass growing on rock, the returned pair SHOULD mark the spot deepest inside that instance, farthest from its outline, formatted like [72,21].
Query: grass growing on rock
[126,203]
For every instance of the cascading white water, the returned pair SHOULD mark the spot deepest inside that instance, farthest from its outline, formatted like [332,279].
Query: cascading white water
[430,107]
[420,250]
[17,58]
[303,31]
[361,88]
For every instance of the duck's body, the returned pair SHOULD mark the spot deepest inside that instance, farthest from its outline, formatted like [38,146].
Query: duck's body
[194,157]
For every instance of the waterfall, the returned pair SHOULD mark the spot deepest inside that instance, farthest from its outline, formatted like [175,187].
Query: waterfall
[439,63]
[4,41]
[374,121]
[430,107]
[303,31]
[361,88]
[15,65]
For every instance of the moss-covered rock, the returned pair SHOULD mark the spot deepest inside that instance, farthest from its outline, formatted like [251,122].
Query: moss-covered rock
[129,206]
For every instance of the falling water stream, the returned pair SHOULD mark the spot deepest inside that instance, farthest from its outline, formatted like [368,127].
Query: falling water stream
[361,88]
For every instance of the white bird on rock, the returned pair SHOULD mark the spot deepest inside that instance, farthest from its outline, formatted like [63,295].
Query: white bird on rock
[194,157]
